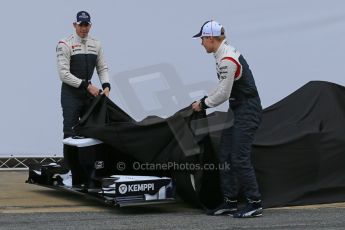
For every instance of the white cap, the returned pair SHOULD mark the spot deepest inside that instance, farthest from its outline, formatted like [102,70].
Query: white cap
[210,29]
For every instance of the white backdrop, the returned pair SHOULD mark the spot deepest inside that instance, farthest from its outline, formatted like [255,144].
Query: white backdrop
[287,43]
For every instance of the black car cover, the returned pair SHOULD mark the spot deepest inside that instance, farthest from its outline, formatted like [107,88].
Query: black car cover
[180,141]
[298,154]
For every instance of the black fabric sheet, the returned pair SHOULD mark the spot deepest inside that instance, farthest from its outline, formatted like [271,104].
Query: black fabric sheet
[299,152]
[298,155]
[181,142]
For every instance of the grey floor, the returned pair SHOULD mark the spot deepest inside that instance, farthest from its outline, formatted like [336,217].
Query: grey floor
[25,206]
[175,216]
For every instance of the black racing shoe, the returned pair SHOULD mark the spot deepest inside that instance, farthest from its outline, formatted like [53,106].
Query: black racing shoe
[252,209]
[227,207]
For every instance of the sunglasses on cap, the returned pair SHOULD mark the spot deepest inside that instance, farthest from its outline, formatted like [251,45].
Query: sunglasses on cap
[83,24]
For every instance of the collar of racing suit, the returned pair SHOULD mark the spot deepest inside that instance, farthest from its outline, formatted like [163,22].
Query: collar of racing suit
[79,39]
[219,53]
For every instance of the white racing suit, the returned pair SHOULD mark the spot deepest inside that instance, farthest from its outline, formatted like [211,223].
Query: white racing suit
[236,84]
[76,61]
